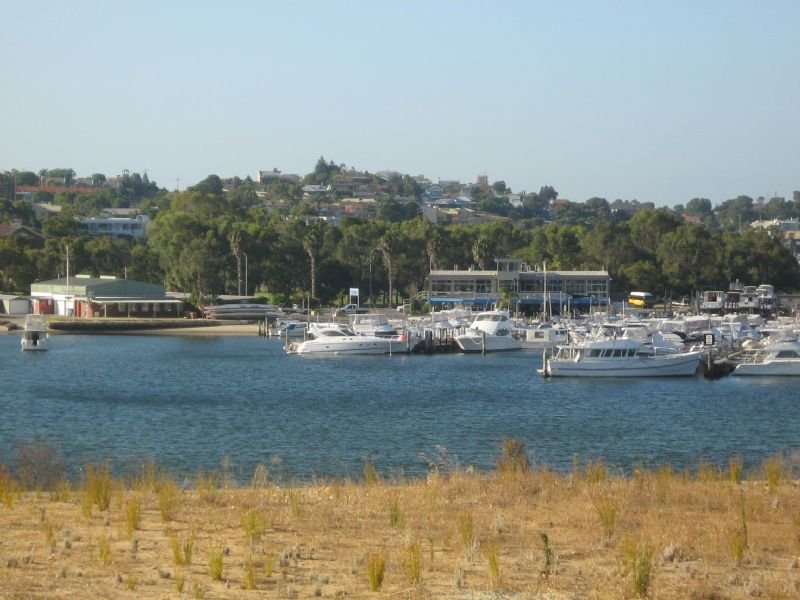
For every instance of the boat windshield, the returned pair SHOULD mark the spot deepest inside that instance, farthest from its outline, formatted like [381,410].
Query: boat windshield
[332,333]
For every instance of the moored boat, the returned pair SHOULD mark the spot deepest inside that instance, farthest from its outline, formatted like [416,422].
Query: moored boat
[334,341]
[779,357]
[618,357]
[34,336]
[491,331]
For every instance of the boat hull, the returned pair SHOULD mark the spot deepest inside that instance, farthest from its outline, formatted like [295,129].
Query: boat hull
[31,346]
[667,365]
[781,368]
[489,343]
[350,348]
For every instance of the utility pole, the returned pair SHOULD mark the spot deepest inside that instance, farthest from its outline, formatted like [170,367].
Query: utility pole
[177,184]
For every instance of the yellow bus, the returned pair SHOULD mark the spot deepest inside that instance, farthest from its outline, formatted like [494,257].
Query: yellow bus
[641,299]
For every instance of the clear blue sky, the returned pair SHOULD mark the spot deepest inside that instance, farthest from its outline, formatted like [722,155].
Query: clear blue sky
[655,101]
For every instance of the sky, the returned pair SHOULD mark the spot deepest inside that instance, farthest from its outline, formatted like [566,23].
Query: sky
[657,101]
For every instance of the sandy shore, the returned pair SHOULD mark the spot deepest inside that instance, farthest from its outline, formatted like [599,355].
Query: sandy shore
[13,324]
[212,330]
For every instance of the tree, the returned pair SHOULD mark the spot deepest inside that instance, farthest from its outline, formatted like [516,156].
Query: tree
[26,178]
[210,185]
[688,258]
[66,176]
[311,244]
[735,213]
[388,245]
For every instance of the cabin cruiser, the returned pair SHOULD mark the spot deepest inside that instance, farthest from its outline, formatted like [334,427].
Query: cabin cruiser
[372,324]
[491,331]
[338,341]
[543,337]
[34,336]
[775,355]
[618,357]
[289,329]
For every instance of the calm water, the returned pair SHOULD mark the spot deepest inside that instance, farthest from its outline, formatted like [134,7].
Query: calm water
[189,403]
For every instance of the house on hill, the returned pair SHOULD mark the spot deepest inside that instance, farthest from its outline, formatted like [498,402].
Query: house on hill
[32,236]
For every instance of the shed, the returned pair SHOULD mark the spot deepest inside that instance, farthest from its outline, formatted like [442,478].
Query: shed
[14,305]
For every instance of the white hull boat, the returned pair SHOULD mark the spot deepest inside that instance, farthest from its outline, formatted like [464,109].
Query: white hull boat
[333,341]
[780,358]
[34,336]
[491,331]
[622,357]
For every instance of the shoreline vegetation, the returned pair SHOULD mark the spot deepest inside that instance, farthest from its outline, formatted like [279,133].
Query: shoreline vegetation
[520,531]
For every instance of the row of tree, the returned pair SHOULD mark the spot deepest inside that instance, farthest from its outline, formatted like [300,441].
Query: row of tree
[209,243]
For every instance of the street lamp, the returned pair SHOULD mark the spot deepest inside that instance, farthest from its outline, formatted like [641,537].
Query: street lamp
[245,273]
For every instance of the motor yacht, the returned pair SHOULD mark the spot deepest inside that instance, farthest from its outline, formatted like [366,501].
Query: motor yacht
[775,356]
[491,331]
[338,341]
[618,357]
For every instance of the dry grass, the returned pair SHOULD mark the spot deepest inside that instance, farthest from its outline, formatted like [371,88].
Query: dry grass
[457,535]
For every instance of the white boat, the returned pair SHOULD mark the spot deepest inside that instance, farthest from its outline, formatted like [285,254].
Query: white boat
[618,357]
[336,341]
[34,336]
[778,357]
[288,329]
[491,331]
[372,324]
[543,337]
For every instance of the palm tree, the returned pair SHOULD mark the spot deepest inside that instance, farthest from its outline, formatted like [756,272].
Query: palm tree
[311,244]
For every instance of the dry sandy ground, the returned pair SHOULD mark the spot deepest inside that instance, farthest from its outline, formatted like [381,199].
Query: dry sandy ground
[454,535]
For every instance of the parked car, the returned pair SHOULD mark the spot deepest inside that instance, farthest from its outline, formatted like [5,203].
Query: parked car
[295,309]
[351,309]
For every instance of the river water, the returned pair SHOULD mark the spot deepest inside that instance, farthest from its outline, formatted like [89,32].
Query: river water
[195,403]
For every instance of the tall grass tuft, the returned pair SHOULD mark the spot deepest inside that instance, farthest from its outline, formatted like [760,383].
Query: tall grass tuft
[707,472]
[370,472]
[9,488]
[168,498]
[739,537]
[607,511]
[395,517]
[513,460]
[376,566]
[182,549]
[104,550]
[412,561]
[735,469]
[595,472]
[548,555]
[269,564]
[638,563]
[250,574]
[492,558]
[180,582]
[466,529]
[207,487]
[254,525]
[215,562]
[773,471]
[133,516]
[98,486]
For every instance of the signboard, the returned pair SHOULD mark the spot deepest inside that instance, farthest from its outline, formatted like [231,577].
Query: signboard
[708,339]
[353,292]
